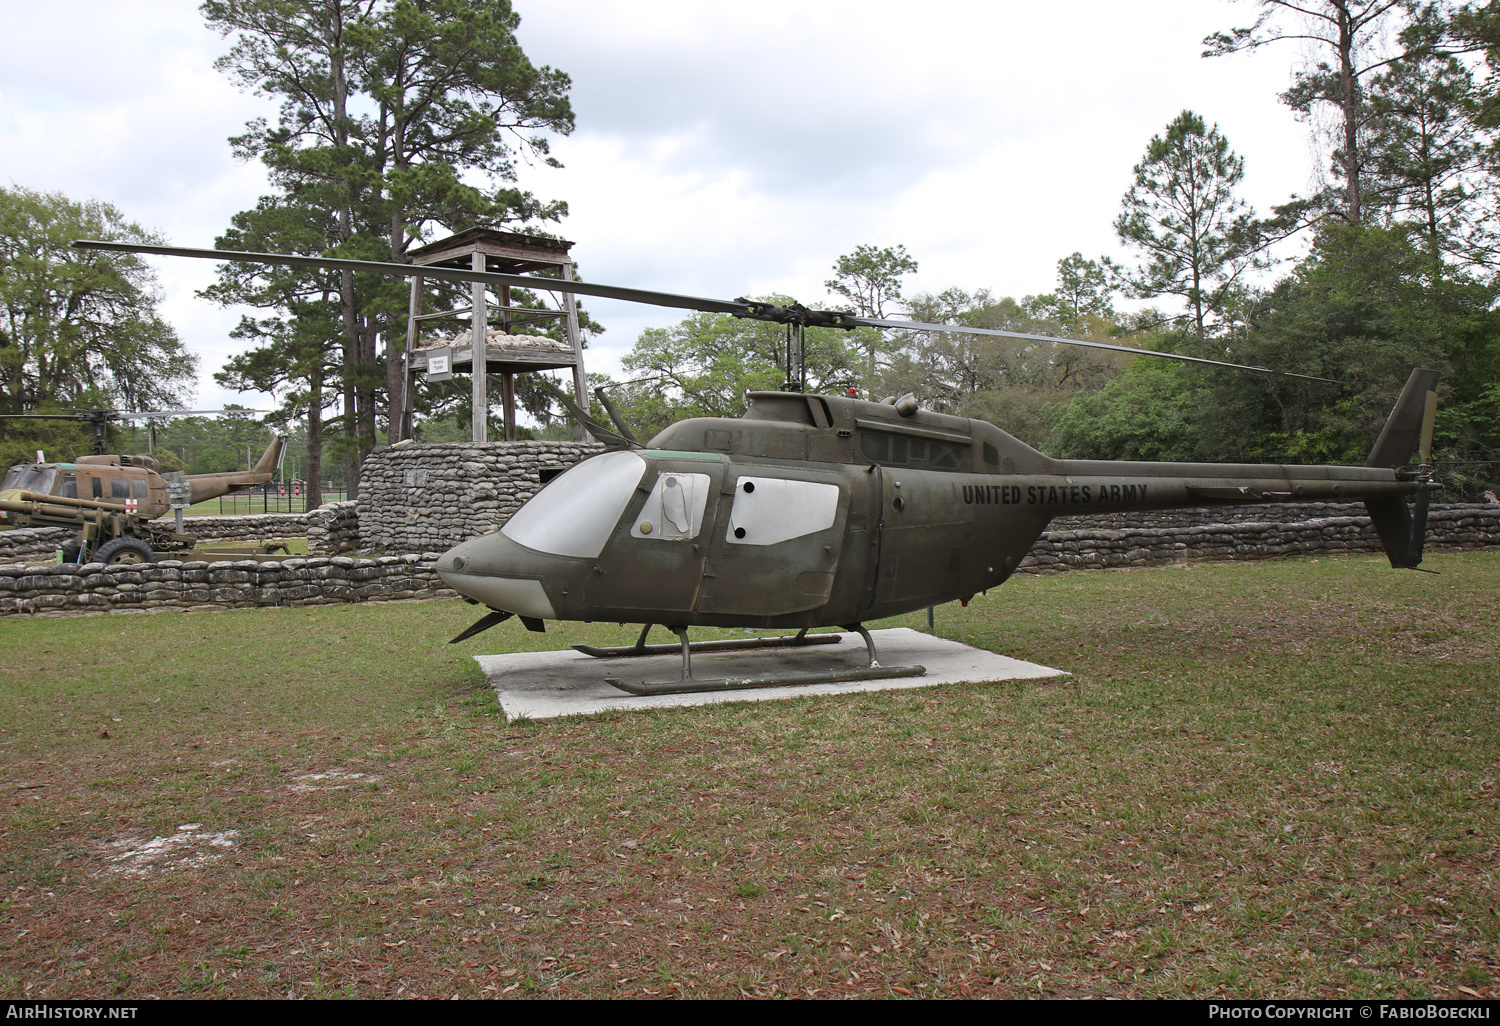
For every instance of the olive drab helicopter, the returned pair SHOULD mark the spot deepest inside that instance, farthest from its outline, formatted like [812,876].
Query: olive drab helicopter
[828,511]
[112,502]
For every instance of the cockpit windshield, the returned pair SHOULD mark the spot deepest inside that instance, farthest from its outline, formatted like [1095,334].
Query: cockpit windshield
[578,511]
[31,478]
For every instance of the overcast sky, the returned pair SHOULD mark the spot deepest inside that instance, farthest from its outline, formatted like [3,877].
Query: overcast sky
[721,150]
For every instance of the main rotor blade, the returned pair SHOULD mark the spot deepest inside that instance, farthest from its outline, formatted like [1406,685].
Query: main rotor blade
[739,307]
[959,329]
[524,281]
[170,414]
[120,415]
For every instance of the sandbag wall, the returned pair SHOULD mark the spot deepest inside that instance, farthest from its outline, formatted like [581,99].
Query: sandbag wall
[332,529]
[430,497]
[1201,537]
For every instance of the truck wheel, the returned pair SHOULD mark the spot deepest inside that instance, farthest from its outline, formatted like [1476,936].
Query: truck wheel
[119,551]
[70,552]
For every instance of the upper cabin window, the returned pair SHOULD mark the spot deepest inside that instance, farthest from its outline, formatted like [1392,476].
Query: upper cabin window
[770,510]
[946,457]
[139,487]
[119,489]
[98,487]
[69,489]
[899,450]
[674,509]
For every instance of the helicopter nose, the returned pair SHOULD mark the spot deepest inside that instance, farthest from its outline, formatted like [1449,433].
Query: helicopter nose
[496,571]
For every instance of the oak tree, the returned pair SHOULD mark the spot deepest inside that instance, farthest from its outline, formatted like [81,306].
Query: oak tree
[81,327]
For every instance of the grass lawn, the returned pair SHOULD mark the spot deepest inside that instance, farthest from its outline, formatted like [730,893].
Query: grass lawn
[1264,779]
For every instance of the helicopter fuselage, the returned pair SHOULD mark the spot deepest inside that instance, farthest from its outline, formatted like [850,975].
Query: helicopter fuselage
[823,510]
[104,497]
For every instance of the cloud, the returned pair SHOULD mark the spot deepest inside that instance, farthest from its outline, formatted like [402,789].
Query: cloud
[721,150]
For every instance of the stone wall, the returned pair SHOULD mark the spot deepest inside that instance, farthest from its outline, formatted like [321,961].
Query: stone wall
[1450,528]
[428,498]
[174,585]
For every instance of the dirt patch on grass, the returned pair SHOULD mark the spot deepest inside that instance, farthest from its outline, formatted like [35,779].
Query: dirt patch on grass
[330,780]
[191,847]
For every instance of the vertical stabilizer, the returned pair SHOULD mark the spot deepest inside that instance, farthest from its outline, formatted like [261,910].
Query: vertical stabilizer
[1409,426]
[271,458]
[1403,431]
[1392,520]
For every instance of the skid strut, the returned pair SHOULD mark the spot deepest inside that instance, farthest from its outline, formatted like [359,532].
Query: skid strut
[689,684]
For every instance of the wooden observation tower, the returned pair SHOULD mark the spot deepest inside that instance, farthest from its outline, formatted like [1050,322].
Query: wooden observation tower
[505,350]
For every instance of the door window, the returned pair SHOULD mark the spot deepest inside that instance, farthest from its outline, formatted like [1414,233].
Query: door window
[768,510]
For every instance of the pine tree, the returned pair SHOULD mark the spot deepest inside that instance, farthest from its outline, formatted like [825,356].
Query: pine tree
[390,112]
[1195,237]
[1347,35]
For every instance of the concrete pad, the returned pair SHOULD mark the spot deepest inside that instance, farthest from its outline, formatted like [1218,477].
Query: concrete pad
[543,685]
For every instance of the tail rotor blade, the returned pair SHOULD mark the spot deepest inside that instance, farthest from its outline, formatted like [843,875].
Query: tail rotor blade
[1429,418]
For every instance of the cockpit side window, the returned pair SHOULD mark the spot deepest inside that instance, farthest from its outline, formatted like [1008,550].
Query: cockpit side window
[578,511]
[674,509]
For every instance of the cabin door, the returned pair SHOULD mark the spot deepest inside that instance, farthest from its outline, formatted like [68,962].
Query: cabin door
[775,548]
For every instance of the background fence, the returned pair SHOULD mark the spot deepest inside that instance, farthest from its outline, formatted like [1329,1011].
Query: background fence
[262,499]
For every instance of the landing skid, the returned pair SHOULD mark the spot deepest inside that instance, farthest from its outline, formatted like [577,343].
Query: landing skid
[640,648]
[689,684]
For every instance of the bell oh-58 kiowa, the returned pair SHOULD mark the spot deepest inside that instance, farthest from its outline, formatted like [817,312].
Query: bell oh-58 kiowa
[816,511]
